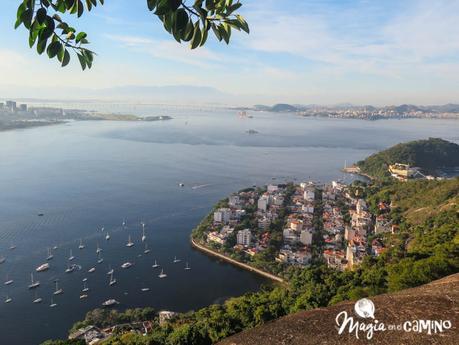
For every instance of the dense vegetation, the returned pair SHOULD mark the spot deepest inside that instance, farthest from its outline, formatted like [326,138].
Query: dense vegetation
[429,155]
[426,248]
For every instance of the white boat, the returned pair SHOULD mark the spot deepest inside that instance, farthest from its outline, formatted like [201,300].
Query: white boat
[85,287]
[99,249]
[126,265]
[42,268]
[144,237]
[112,280]
[110,270]
[8,281]
[102,229]
[37,299]
[162,274]
[81,246]
[100,259]
[70,268]
[55,247]
[2,259]
[12,246]
[8,299]
[146,250]
[33,284]
[58,291]
[85,279]
[107,237]
[155,265]
[92,270]
[110,302]
[176,260]
[83,296]
[181,185]
[50,255]
[129,243]
[145,289]
[71,257]
[52,304]
[187,267]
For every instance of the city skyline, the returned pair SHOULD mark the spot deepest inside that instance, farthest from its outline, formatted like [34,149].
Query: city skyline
[322,52]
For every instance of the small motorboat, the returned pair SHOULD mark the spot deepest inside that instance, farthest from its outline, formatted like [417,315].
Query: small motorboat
[126,265]
[110,303]
[42,268]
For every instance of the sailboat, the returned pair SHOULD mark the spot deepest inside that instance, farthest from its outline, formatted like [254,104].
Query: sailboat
[33,284]
[155,265]
[50,255]
[162,274]
[71,257]
[100,259]
[144,237]
[129,243]
[176,260]
[110,270]
[58,291]
[52,304]
[85,287]
[146,251]
[107,237]
[99,249]
[81,246]
[187,267]
[8,281]
[92,270]
[37,299]
[112,280]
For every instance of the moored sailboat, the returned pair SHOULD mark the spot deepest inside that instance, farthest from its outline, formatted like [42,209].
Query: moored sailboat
[34,283]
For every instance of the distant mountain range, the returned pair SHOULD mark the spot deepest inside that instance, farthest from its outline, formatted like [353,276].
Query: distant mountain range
[399,109]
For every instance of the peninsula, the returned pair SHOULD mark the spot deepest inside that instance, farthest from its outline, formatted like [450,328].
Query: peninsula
[328,243]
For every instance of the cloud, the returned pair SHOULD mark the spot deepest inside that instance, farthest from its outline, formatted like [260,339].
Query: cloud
[418,36]
[169,50]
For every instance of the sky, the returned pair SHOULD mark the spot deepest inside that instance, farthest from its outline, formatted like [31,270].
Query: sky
[377,52]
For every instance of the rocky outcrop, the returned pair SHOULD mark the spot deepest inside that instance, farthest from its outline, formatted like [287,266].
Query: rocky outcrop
[437,301]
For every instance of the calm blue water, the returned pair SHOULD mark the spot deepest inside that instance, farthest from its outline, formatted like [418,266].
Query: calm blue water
[86,175]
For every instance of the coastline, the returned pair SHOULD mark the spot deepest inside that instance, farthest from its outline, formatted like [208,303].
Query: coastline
[236,263]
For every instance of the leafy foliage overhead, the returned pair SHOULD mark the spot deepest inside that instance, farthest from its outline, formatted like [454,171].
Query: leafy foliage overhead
[184,21]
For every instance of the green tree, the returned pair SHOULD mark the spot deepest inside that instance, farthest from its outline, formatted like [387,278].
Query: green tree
[185,21]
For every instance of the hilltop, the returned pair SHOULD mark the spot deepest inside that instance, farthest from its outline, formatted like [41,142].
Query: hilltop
[430,155]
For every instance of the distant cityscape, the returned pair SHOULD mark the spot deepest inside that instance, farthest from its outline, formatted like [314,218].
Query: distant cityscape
[366,112]
[14,115]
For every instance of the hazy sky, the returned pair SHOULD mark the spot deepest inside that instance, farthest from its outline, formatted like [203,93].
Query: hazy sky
[308,51]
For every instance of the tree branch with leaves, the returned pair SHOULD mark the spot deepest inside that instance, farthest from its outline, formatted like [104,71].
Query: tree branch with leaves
[185,21]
